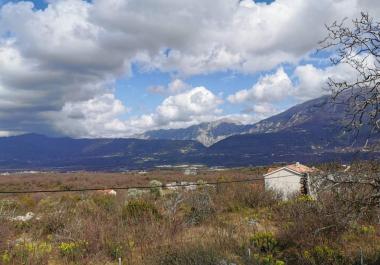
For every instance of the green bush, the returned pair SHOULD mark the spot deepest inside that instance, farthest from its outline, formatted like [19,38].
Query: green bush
[324,255]
[105,202]
[264,242]
[137,210]
[366,230]
[156,188]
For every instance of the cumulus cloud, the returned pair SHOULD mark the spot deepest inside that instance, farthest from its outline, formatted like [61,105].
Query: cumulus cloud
[307,82]
[312,80]
[184,109]
[174,87]
[96,117]
[69,55]
[270,88]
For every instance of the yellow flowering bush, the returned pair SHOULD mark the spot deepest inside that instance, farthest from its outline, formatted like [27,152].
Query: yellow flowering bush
[73,250]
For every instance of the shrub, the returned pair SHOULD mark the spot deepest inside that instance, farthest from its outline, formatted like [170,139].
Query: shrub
[201,183]
[324,255]
[366,230]
[6,257]
[264,242]
[8,208]
[48,204]
[27,201]
[73,250]
[305,222]
[87,207]
[200,205]
[27,253]
[156,188]
[371,258]
[53,222]
[70,199]
[105,202]
[115,249]
[240,196]
[136,210]
[135,193]
[304,198]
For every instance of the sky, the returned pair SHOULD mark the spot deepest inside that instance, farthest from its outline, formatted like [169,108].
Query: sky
[117,68]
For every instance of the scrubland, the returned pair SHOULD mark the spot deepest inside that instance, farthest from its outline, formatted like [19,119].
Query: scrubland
[236,223]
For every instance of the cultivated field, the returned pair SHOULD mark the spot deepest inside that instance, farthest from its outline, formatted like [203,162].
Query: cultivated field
[230,223]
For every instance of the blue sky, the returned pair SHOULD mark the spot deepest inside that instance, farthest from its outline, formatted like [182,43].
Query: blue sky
[118,68]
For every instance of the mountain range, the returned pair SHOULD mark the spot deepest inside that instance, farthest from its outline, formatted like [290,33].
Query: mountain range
[311,132]
[209,133]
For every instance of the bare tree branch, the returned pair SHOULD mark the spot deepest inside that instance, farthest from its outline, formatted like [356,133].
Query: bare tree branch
[357,45]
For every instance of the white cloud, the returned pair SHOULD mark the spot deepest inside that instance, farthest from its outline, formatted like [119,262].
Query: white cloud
[174,87]
[255,113]
[309,82]
[312,81]
[270,88]
[191,107]
[97,117]
[71,53]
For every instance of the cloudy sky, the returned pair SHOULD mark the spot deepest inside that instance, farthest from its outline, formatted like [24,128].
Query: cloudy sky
[115,68]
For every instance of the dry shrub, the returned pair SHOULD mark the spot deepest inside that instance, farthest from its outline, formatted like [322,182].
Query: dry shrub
[27,202]
[30,253]
[200,206]
[54,214]
[190,254]
[135,211]
[304,222]
[246,195]
[6,233]
[104,201]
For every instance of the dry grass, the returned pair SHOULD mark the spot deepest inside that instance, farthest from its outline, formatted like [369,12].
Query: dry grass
[73,180]
[207,226]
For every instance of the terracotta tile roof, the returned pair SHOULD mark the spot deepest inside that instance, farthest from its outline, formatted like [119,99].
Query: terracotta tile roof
[300,168]
[271,169]
[295,167]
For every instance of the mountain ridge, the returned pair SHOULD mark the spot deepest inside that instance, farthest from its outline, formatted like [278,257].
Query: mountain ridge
[310,132]
[209,133]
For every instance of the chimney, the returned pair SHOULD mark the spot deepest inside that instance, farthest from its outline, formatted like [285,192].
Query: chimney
[297,164]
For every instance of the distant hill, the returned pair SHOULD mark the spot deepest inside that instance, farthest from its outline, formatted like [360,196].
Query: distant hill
[206,133]
[310,132]
[32,151]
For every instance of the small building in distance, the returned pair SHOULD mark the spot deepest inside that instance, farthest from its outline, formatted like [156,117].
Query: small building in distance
[289,179]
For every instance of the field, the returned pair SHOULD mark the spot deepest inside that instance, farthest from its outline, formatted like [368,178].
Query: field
[230,223]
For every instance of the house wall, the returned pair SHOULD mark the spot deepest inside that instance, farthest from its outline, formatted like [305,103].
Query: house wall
[284,181]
